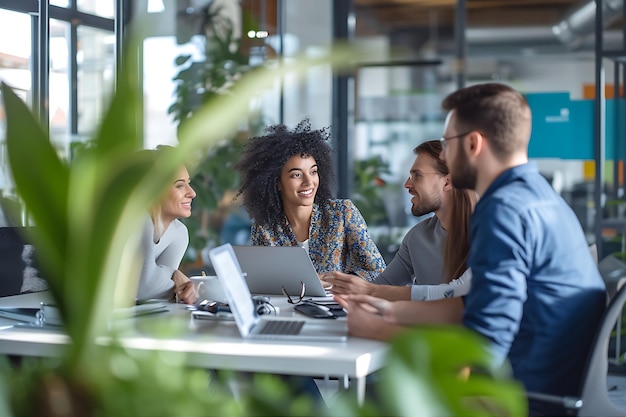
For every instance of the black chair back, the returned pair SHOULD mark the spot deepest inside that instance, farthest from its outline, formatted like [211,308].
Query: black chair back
[596,401]
[19,270]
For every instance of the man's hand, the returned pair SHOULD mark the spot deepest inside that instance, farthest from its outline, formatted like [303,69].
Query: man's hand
[346,283]
[374,305]
[365,318]
[406,313]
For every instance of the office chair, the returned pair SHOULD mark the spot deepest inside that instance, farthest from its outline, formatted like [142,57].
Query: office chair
[593,399]
[19,272]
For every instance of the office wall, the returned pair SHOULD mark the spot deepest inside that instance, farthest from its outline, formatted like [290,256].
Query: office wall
[533,74]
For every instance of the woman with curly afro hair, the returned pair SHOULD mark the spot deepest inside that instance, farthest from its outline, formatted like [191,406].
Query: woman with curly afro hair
[286,179]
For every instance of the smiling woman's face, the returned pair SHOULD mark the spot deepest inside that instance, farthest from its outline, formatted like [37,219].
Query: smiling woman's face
[298,181]
[177,203]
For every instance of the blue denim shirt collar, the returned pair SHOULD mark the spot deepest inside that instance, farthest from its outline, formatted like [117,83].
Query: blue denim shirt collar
[508,176]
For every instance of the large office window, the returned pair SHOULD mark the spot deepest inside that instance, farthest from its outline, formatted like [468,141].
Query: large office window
[96,75]
[15,51]
[59,96]
[80,70]
[103,8]
[159,90]
[15,64]
[94,79]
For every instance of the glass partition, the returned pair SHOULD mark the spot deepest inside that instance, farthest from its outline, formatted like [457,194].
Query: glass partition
[308,31]
[396,109]
[96,76]
[59,94]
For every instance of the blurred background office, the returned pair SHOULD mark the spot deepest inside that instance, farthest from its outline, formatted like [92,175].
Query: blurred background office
[61,57]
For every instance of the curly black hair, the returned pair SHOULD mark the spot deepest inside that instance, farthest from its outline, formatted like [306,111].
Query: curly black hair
[263,157]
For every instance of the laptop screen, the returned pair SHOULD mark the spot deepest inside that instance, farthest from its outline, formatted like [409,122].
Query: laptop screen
[236,289]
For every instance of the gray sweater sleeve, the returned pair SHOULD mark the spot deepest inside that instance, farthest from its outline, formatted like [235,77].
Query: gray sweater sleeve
[161,259]
[400,269]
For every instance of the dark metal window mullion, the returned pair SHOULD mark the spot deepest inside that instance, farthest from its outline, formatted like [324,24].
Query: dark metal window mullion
[43,52]
[73,78]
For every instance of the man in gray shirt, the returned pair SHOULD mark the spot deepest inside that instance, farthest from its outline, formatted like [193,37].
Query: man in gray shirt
[419,260]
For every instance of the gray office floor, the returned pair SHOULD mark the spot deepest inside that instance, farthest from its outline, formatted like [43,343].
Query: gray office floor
[617,389]
[328,388]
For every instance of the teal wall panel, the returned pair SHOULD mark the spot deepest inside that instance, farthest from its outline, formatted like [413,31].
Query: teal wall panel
[581,143]
[564,128]
[551,128]
[615,139]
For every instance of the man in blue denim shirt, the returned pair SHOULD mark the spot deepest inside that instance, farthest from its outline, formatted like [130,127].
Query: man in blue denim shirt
[536,294]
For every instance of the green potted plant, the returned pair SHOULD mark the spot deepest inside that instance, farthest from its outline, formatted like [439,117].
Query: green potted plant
[223,65]
[368,185]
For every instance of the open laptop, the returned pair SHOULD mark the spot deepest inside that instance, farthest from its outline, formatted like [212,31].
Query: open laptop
[268,268]
[253,326]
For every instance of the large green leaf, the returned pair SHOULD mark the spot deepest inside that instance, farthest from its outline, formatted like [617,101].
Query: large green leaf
[425,372]
[41,179]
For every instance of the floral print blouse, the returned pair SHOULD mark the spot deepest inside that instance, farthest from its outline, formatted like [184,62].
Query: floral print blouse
[343,245]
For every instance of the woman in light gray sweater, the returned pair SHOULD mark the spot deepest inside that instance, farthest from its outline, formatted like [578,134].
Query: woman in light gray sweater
[164,242]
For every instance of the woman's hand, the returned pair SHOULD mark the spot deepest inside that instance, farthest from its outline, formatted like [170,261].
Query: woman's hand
[325,278]
[184,288]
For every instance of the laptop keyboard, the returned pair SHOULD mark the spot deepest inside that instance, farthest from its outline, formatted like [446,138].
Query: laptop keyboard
[281,327]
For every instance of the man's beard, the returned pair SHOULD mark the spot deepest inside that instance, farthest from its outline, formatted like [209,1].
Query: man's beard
[425,207]
[463,174]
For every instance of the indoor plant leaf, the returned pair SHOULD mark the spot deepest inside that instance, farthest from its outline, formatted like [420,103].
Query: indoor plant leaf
[88,214]
[31,154]
[425,372]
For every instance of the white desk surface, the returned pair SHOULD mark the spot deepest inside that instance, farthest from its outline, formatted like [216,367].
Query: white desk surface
[213,344]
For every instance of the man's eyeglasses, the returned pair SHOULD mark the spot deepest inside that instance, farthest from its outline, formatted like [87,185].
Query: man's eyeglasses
[417,177]
[296,300]
[444,140]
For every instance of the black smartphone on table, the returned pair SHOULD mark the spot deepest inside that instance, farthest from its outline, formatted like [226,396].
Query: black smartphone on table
[314,310]
[334,307]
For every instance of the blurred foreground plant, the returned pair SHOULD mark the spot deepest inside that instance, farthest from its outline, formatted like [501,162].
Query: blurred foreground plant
[88,216]
[440,371]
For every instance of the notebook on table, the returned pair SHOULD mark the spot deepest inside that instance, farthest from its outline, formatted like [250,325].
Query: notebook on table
[253,326]
[268,268]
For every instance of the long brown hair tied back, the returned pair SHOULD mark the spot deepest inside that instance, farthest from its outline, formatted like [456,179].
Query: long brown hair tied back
[456,246]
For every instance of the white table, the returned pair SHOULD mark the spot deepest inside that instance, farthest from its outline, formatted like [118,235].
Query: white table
[212,344]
